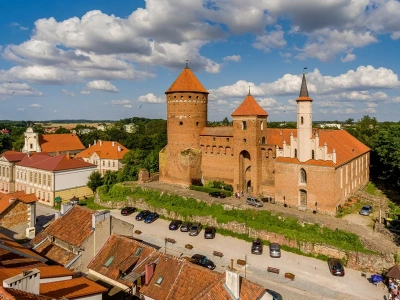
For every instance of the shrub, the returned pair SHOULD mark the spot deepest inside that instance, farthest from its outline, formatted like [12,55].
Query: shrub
[209,190]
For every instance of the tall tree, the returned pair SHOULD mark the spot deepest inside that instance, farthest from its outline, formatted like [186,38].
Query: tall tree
[95,181]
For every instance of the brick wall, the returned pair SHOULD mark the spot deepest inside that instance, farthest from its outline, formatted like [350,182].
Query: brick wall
[16,218]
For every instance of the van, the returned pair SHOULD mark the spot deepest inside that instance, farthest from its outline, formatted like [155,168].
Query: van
[254,201]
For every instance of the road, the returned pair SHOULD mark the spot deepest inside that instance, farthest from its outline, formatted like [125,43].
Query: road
[312,281]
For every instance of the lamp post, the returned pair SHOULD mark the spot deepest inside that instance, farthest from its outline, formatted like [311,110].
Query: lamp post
[245,265]
[165,249]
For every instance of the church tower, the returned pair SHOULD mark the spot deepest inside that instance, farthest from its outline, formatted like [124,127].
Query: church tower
[249,131]
[187,100]
[304,122]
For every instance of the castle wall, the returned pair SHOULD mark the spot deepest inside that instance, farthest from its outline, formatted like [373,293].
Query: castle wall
[267,188]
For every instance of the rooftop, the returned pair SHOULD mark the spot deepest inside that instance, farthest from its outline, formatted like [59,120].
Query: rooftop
[60,142]
[13,156]
[249,107]
[186,82]
[55,253]
[72,288]
[5,199]
[13,294]
[105,150]
[45,272]
[43,161]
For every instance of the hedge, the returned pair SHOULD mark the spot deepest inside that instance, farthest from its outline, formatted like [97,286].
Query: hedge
[209,190]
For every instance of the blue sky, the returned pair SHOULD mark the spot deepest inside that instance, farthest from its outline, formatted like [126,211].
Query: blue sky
[115,59]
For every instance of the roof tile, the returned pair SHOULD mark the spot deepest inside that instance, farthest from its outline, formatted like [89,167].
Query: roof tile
[55,253]
[249,107]
[105,150]
[14,294]
[72,288]
[13,156]
[60,142]
[18,196]
[186,82]
[45,272]
[53,163]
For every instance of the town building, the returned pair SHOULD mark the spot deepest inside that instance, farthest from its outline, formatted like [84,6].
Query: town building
[8,160]
[51,177]
[54,144]
[18,214]
[307,168]
[5,131]
[106,155]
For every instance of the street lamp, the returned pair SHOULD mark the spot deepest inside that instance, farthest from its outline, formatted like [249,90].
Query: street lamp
[245,265]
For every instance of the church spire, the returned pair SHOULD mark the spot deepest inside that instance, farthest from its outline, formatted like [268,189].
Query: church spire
[303,89]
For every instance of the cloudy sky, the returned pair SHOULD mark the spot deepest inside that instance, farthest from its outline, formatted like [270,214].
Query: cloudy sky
[115,59]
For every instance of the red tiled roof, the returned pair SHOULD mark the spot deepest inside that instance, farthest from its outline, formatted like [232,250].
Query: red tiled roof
[105,151]
[18,196]
[248,291]
[290,160]
[74,227]
[60,142]
[186,82]
[123,250]
[55,253]
[13,156]
[72,288]
[303,96]
[54,163]
[249,107]
[45,272]
[10,259]
[217,131]
[13,294]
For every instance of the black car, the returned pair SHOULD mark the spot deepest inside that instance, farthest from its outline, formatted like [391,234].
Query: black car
[142,215]
[174,225]
[217,195]
[195,229]
[257,246]
[151,217]
[203,261]
[186,226]
[335,267]
[209,232]
[275,295]
[126,211]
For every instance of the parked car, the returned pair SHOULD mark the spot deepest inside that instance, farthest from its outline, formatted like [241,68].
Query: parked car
[74,201]
[366,210]
[254,201]
[209,232]
[142,215]
[174,225]
[275,295]
[126,211]
[195,229]
[335,267]
[203,261]
[186,226]
[257,246]
[217,195]
[151,217]
[275,250]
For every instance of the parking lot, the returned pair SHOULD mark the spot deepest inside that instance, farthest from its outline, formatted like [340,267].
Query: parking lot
[312,277]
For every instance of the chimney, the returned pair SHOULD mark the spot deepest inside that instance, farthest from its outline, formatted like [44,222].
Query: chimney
[27,281]
[11,200]
[94,143]
[149,271]
[281,131]
[56,215]
[89,146]
[113,144]
[232,282]
[119,149]
[101,143]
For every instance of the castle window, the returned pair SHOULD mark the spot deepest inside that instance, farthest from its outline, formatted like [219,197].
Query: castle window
[174,97]
[303,176]
[227,139]
[244,141]
[214,138]
[181,97]
[262,125]
[197,124]
[301,120]
[312,154]
[190,97]
[295,152]
[30,146]
[263,140]
[180,123]
[244,125]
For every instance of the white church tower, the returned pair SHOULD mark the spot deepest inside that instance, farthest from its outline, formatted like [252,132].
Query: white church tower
[31,141]
[304,122]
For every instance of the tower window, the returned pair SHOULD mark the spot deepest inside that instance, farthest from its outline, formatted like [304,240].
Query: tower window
[312,154]
[263,140]
[244,141]
[301,120]
[303,176]
[197,97]
[295,152]
[262,125]
[190,97]
[227,139]
[197,124]
[214,138]
[31,146]
[180,123]
[244,125]
[181,97]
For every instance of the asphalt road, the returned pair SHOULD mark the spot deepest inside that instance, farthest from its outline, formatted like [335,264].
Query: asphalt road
[312,277]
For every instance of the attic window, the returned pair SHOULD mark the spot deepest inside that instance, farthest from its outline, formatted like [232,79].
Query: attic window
[138,251]
[159,280]
[109,261]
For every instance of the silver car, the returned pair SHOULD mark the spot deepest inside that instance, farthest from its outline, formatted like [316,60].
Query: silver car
[366,210]
[274,250]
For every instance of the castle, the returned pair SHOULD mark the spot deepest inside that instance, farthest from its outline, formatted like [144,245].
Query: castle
[308,168]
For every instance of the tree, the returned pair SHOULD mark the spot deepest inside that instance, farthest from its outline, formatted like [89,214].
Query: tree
[95,181]
[349,121]
[62,130]
[5,142]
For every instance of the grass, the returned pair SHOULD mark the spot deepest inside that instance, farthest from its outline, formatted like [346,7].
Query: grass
[352,207]
[89,203]
[371,189]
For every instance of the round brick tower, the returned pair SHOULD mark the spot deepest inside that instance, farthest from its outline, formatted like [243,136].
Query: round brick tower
[187,102]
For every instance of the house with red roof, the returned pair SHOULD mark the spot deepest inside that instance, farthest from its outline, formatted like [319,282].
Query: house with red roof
[50,177]
[307,168]
[18,214]
[106,155]
[53,144]
[8,160]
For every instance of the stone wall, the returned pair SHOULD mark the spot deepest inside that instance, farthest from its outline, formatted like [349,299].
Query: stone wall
[355,260]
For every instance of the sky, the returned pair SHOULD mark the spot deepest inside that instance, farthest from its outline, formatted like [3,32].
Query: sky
[115,59]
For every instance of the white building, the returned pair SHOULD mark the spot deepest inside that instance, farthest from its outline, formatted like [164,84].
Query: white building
[130,128]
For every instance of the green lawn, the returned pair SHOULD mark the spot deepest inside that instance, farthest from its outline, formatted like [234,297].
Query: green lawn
[371,189]
[89,203]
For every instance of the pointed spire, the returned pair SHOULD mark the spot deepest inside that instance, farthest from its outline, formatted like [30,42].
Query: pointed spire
[187,64]
[249,107]
[304,90]
[187,82]
[249,94]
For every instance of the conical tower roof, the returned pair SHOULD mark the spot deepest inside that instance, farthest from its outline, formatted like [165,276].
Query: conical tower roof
[186,82]
[249,107]
[303,96]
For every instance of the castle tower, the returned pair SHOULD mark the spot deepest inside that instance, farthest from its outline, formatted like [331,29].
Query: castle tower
[249,131]
[304,122]
[187,100]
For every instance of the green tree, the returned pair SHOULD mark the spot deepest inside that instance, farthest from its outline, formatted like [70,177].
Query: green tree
[109,179]
[95,181]
[62,130]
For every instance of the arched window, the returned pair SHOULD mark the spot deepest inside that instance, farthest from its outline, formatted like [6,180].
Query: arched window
[295,152]
[303,176]
[312,154]
[244,125]
[180,123]
[301,120]
[262,125]
[263,140]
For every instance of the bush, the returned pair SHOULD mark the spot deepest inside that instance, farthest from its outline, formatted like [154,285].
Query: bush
[209,190]
[219,185]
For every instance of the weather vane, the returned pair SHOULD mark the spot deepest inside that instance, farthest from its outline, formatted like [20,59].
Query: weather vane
[187,64]
[305,68]
[249,90]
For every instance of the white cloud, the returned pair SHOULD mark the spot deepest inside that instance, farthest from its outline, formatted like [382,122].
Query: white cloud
[151,98]
[235,58]
[19,26]
[18,89]
[371,104]
[68,93]
[222,102]
[272,39]
[20,109]
[102,85]
[128,105]
[35,105]
[349,57]
[85,92]
[121,102]
[344,111]
[42,74]
[369,110]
